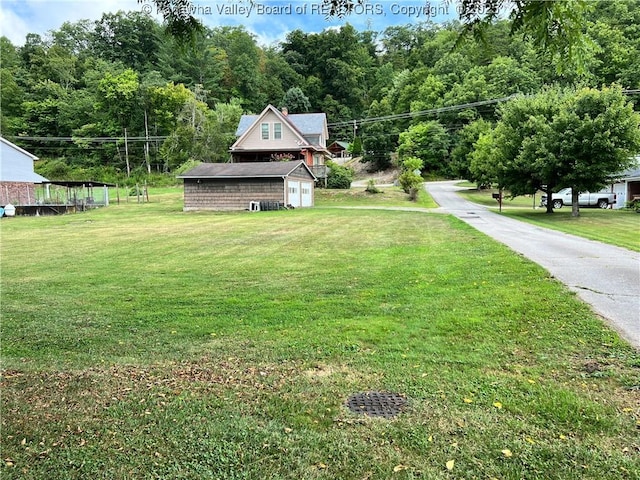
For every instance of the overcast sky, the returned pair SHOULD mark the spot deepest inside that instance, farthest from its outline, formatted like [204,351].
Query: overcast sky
[269,20]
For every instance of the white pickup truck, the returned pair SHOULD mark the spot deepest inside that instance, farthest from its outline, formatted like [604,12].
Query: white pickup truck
[601,199]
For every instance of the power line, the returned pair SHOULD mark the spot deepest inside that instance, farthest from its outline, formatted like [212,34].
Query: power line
[346,123]
[91,139]
[421,113]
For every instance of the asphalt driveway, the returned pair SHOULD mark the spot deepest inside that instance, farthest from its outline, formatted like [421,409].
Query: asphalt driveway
[604,276]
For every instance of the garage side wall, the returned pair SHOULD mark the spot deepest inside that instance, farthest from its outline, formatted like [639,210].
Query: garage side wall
[231,194]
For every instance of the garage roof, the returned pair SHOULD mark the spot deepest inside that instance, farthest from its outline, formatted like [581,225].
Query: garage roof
[245,170]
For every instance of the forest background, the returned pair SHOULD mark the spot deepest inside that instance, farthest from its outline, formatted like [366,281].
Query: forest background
[118,100]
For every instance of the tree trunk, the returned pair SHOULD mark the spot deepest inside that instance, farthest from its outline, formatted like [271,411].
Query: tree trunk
[575,207]
[549,192]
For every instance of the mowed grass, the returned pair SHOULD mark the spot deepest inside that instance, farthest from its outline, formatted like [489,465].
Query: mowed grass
[140,342]
[359,197]
[619,227]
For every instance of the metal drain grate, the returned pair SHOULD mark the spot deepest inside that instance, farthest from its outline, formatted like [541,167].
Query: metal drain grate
[377,404]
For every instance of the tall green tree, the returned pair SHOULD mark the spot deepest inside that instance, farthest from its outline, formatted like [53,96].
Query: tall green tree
[296,101]
[598,133]
[429,142]
[11,93]
[378,138]
[578,139]
[131,38]
[465,141]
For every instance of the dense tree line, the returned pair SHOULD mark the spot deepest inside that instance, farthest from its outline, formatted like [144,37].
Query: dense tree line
[122,77]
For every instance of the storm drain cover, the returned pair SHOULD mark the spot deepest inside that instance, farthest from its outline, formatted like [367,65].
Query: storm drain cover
[377,404]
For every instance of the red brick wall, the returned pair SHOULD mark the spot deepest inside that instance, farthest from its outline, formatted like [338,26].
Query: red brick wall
[17,193]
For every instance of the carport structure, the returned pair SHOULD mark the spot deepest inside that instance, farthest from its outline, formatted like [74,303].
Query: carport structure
[56,197]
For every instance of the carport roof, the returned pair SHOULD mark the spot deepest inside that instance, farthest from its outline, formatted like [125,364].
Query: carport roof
[245,170]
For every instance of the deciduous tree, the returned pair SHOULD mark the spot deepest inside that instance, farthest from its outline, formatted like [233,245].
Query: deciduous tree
[562,138]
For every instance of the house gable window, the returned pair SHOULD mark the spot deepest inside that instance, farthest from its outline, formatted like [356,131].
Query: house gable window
[265,131]
[277,131]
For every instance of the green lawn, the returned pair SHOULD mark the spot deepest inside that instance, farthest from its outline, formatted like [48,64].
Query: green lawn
[357,196]
[141,342]
[484,197]
[616,227]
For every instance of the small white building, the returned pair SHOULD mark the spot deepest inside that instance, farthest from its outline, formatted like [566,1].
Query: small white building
[17,177]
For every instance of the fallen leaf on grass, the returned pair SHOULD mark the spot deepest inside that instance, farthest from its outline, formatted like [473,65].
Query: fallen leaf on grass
[450,464]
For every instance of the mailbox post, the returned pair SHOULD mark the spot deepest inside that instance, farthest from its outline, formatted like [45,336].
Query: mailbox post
[498,197]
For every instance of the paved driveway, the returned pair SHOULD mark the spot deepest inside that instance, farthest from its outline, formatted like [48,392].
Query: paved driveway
[604,276]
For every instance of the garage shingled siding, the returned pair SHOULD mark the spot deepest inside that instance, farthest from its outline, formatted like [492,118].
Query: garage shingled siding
[230,194]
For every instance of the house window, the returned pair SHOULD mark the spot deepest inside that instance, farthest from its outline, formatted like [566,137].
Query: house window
[277,131]
[265,131]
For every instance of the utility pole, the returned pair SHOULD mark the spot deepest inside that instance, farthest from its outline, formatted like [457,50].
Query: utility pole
[146,144]
[126,153]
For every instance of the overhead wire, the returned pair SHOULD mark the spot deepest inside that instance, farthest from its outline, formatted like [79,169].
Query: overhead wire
[345,123]
[421,113]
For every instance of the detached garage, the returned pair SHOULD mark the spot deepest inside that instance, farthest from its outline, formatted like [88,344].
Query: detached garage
[243,186]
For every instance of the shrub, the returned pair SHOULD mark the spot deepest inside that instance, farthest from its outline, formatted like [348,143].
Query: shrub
[339,176]
[356,147]
[371,187]
[634,205]
[410,180]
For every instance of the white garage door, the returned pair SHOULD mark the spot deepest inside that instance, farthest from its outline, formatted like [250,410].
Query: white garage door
[293,193]
[306,190]
[620,189]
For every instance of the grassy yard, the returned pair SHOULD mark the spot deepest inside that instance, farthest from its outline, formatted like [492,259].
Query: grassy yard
[142,342]
[388,196]
[484,197]
[616,227]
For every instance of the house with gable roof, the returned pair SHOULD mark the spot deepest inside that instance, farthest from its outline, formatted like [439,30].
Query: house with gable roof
[276,135]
